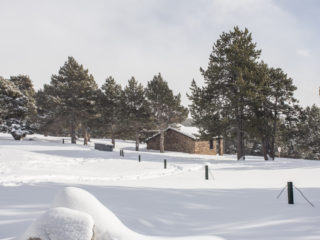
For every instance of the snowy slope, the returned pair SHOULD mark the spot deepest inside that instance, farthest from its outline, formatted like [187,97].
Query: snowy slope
[238,202]
[108,226]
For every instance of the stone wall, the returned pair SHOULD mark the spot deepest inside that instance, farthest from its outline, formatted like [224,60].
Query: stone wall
[154,143]
[173,141]
[203,147]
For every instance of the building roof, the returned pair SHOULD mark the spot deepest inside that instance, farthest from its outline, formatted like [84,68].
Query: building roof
[191,132]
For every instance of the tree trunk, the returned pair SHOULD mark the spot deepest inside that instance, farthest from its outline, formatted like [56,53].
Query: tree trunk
[240,144]
[162,141]
[265,149]
[273,139]
[73,129]
[137,141]
[85,137]
[274,132]
[240,130]
[113,141]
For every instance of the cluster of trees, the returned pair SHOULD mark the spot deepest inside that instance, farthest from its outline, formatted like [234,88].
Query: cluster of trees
[251,104]
[73,104]
[242,99]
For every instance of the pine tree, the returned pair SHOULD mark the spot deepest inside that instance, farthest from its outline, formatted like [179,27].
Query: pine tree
[207,116]
[272,100]
[165,107]
[71,96]
[110,102]
[50,120]
[228,84]
[260,120]
[307,137]
[135,112]
[282,101]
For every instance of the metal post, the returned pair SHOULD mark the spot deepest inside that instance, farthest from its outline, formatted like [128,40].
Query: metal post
[122,153]
[207,172]
[290,193]
[62,140]
[139,158]
[165,163]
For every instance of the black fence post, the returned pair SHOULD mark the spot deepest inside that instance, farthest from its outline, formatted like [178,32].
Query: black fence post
[165,163]
[122,153]
[290,193]
[139,158]
[62,140]
[207,172]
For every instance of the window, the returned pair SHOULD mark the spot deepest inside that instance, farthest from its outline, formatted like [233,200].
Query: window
[211,144]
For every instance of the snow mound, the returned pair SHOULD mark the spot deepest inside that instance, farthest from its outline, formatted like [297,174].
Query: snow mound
[61,223]
[107,225]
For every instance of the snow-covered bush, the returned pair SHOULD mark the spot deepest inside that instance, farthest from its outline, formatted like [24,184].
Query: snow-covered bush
[108,226]
[61,224]
[18,129]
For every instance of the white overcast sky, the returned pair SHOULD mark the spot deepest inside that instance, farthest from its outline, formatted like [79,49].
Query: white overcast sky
[141,38]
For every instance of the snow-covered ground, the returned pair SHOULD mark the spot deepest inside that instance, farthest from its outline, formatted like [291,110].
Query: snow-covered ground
[237,202]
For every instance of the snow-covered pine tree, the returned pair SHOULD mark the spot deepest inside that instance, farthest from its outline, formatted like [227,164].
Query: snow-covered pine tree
[135,109]
[165,107]
[15,109]
[26,87]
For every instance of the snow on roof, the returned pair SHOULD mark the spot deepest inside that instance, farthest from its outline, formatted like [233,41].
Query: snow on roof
[191,132]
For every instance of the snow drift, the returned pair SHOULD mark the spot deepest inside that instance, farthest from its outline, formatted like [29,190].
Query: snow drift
[61,223]
[107,225]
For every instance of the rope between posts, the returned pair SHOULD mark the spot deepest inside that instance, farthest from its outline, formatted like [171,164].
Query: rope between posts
[305,198]
[281,192]
[211,174]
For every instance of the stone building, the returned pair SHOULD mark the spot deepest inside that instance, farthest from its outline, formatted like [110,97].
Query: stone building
[184,140]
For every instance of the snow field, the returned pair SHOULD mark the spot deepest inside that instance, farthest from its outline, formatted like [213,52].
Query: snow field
[108,226]
[29,163]
[237,202]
